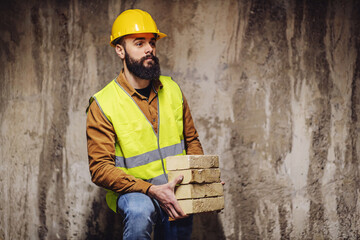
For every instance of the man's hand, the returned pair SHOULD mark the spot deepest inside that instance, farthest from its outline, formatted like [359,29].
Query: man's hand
[166,197]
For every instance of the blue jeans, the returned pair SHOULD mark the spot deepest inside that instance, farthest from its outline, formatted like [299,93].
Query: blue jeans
[141,213]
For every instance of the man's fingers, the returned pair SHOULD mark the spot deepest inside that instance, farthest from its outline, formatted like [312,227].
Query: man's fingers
[170,213]
[174,213]
[178,210]
[173,210]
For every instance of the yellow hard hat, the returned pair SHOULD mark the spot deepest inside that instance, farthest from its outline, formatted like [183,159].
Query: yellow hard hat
[133,21]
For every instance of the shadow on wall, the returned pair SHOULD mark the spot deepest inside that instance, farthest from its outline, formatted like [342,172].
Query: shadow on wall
[207,226]
[103,223]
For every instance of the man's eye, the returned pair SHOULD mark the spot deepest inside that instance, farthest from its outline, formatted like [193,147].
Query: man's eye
[153,44]
[138,44]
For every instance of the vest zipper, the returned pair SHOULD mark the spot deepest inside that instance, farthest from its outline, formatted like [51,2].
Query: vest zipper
[162,161]
[157,137]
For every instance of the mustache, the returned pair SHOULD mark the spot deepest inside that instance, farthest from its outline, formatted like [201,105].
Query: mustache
[150,56]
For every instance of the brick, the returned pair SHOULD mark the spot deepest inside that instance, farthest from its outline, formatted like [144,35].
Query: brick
[199,190]
[211,175]
[190,206]
[192,162]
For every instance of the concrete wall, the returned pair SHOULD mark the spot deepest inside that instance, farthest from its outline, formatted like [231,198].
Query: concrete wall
[274,87]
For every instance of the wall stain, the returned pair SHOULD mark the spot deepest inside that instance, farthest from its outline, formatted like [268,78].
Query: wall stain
[268,20]
[37,42]
[50,179]
[296,42]
[207,226]
[285,226]
[348,190]
[318,71]
[36,50]
[10,28]
[102,223]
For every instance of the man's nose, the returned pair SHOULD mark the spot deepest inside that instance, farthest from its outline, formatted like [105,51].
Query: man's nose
[149,48]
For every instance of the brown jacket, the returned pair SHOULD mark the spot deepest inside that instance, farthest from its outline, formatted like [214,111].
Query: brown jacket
[101,141]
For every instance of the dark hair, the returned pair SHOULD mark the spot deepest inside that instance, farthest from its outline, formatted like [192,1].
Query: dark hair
[119,40]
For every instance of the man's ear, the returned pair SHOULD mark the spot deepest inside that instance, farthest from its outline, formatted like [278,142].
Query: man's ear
[120,51]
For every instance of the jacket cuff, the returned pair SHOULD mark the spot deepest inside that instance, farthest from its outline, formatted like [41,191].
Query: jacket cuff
[147,190]
[143,187]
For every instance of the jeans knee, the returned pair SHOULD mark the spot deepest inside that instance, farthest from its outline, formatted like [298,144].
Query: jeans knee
[141,212]
[137,207]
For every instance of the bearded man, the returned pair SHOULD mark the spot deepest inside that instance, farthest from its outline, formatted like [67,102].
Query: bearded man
[135,122]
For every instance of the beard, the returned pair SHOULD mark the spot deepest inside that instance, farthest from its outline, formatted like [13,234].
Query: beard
[136,67]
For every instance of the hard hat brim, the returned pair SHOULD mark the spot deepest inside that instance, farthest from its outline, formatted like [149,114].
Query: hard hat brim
[159,36]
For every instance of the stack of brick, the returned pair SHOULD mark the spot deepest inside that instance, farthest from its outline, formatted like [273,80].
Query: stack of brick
[201,189]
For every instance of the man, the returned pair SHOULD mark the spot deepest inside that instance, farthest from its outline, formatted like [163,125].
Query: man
[133,124]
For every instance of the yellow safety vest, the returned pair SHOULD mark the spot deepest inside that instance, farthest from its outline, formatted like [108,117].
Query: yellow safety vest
[139,151]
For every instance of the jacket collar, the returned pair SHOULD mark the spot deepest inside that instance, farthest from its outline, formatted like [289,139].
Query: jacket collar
[121,79]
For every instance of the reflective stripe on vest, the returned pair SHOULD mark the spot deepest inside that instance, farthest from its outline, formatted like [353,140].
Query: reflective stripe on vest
[148,157]
[139,150]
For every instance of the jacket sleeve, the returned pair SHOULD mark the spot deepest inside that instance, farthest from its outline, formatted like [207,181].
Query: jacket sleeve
[192,142]
[101,152]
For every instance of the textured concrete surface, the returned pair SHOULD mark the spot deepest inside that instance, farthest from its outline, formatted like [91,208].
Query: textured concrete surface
[274,87]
